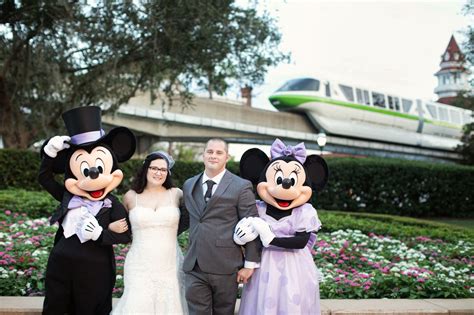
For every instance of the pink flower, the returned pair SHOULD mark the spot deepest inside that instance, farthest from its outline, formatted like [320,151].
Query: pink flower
[423,239]
[8,212]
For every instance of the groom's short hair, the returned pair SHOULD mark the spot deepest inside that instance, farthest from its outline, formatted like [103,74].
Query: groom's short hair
[226,145]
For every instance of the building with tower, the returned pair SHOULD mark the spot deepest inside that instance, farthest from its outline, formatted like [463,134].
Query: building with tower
[453,77]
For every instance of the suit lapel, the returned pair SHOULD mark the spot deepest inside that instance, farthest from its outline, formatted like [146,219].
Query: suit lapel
[196,196]
[221,188]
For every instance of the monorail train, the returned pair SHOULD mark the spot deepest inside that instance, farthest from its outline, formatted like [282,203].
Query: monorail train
[356,112]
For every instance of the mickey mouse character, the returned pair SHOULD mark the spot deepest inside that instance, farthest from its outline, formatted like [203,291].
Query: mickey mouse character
[287,280]
[80,274]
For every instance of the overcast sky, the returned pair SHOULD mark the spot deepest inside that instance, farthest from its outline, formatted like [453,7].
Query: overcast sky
[392,46]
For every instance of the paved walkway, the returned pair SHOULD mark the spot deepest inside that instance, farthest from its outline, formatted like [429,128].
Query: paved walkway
[12,305]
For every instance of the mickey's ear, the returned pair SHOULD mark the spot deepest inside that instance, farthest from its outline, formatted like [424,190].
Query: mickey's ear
[252,163]
[123,143]
[317,171]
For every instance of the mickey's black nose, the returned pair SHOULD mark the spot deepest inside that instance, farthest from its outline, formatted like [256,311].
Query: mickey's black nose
[286,183]
[93,172]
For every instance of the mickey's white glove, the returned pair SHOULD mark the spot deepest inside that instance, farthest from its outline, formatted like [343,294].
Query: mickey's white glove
[56,144]
[244,232]
[263,229]
[89,228]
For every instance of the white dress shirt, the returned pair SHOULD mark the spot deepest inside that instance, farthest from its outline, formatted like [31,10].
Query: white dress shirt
[216,179]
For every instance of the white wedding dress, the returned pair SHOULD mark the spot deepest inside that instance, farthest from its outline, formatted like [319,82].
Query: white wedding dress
[153,276]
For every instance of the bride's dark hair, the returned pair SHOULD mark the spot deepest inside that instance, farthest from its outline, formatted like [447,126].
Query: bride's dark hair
[139,180]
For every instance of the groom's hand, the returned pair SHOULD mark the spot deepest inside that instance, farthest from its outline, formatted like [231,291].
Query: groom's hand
[244,275]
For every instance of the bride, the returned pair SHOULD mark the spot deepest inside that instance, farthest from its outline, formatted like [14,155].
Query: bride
[152,272]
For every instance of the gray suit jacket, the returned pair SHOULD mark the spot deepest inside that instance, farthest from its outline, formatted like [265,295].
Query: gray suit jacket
[211,226]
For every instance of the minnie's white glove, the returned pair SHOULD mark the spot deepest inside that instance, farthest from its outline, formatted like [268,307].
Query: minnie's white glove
[263,229]
[89,228]
[244,232]
[56,144]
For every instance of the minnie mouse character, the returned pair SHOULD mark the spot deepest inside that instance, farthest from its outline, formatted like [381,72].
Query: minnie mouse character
[80,274]
[287,280]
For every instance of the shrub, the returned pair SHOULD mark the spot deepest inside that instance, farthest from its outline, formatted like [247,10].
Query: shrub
[408,188]
[19,169]
[35,204]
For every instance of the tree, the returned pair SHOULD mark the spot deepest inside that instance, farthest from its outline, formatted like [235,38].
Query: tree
[466,149]
[55,55]
[466,100]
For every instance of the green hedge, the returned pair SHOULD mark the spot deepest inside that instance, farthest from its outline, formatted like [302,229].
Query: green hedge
[390,186]
[407,188]
[35,204]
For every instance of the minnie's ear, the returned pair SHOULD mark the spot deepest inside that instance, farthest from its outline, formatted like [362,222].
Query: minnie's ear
[122,142]
[317,171]
[252,163]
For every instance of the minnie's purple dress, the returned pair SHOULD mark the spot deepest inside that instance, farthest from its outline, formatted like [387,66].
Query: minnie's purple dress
[287,280]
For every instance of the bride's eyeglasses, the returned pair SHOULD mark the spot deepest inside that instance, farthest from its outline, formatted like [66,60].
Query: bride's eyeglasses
[155,169]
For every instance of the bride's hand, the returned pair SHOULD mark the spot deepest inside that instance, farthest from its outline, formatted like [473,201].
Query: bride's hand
[119,226]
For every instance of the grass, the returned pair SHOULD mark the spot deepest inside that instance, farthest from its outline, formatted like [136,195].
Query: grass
[467,223]
[393,225]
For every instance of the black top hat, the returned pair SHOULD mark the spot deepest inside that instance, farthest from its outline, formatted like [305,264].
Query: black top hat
[84,125]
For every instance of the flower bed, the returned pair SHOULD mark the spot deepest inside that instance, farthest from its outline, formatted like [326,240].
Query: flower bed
[355,265]
[352,264]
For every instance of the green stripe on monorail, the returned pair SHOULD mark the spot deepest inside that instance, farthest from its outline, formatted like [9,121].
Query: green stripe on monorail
[292,101]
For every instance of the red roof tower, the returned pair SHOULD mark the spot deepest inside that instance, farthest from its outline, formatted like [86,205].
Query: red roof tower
[453,75]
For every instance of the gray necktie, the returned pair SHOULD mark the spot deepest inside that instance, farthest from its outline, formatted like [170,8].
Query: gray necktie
[208,193]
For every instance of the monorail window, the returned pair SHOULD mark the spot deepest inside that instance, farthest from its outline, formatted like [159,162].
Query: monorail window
[455,116]
[432,110]
[366,97]
[378,99]
[359,96]
[300,85]
[362,97]
[407,104]
[394,103]
[443,114]
[328,89]
[348,92]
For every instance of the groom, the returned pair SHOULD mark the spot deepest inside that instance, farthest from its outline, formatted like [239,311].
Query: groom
[216,200]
